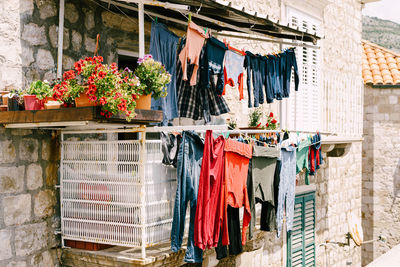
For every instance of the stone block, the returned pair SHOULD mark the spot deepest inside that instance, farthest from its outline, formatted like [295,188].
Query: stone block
[68,62]
[47,8]
[71,13]
[43,259]
[12,179]
[27,56]
[44,203]
[50,75]
[17,209]
[34,34]
[28,150]
[76,40]
[34,177]
[393,99]
[17,264]
[8,153]
[30,238]
[90,44]
[89,19]
[26,6]
[45,60]
[5,244]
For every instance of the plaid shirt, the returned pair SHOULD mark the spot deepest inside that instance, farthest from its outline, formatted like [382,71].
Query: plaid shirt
[197,102]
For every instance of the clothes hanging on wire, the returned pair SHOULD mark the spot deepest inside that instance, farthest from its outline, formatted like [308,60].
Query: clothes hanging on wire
[287,185]
[211,195]
[315,154]
[302,163]
[195,38]
[163,46]
[188,174]
[197,102]
[170,146]
[233,70]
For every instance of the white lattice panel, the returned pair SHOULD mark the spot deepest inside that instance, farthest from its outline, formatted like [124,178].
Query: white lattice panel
[116,192]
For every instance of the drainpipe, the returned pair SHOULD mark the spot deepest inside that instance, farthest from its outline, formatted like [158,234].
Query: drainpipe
[60,39]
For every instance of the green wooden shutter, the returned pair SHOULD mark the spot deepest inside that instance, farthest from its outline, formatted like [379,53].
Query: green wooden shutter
[301,240]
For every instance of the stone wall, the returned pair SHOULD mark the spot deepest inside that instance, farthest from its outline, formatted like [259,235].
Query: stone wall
[381,170]
[28,198]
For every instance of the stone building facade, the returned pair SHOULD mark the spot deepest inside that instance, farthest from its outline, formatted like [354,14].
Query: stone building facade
[28,197]
[381,177]
[28,33]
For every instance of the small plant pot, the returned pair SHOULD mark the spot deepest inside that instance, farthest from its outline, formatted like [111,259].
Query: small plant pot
[83,101]
[143,102]
[33,103]
[3,107]
[4,98]
[13,104]
[52,105]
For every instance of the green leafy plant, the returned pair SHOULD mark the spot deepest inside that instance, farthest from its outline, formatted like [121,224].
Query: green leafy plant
[41,89]
[255,117]
[152,76]
[232,124]
[272,123]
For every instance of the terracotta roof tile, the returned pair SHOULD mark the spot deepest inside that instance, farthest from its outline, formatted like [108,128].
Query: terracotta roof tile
[380,65]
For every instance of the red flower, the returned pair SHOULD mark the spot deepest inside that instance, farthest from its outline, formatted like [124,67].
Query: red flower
[102,74]
[78,66]
[258,125]
[98,58]
[114,66]
[103,101]
[134,97]
[69,75]
[266,125]
[274,121]
[271,115]
[92,98]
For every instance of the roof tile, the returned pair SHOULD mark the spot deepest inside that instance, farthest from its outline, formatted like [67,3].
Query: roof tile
[380,65]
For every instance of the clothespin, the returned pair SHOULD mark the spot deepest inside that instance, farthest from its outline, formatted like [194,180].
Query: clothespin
[156,20]
[205,30]
[190,17]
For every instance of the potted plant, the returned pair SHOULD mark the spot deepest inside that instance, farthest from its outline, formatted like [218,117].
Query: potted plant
[15,100]
[36,95]
[153,78]
[272,123]
[116,92]
[255,117]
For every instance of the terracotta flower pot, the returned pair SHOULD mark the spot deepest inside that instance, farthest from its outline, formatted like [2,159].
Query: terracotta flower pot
[33,103]
[83,101]
[143,102]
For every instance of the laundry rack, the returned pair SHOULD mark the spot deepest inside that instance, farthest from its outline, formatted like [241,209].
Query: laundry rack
[115,191]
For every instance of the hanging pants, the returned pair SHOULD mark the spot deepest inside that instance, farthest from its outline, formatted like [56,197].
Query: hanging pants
[287,186]
[188,174]
[163,46]
[235,238]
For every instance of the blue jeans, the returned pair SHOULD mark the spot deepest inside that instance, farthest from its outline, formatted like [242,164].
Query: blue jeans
[190,156]
[163,46]
[287,187]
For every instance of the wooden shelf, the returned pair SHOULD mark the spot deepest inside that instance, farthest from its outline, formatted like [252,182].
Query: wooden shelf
[76,114]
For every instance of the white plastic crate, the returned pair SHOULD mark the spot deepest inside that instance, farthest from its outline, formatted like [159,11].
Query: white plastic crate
[115,192]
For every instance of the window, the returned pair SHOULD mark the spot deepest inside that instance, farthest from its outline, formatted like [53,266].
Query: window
[301,240]
[127,59]
[303,108]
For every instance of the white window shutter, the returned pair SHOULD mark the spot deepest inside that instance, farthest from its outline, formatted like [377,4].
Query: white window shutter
[303,107]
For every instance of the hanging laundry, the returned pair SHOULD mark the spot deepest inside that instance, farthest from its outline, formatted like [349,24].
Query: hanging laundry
[188,174]
[315,154]
[163,46]
[195,37]
[289,62]
[237,156]
[170,146]
[211,195]
[263,170]
[235,239]
[255,76]
[214,72]
[287,185]
[193,101]
[302,158]
[233,70]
